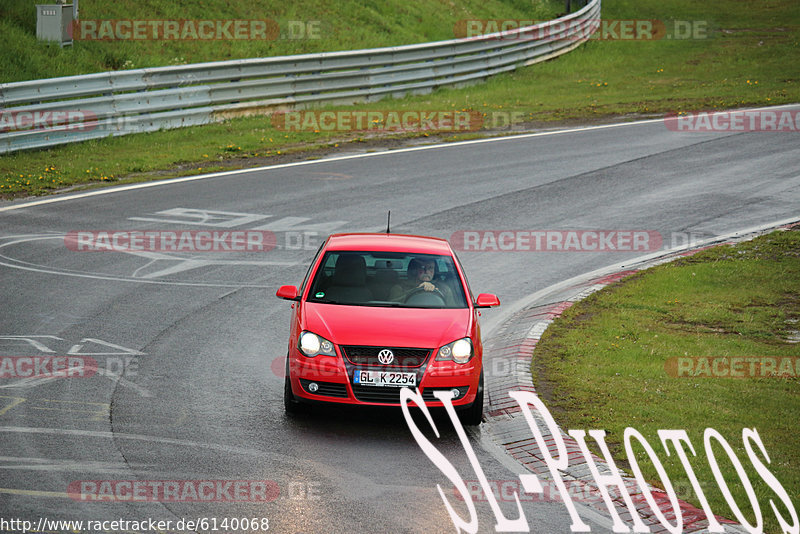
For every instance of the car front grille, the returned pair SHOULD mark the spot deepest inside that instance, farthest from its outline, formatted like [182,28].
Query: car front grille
[392,395]
[377,394]
[404,358]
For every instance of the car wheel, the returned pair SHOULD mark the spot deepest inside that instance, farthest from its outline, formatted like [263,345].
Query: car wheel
[473,415]
[290,403]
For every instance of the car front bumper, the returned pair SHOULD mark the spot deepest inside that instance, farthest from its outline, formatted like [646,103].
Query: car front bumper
[332,377]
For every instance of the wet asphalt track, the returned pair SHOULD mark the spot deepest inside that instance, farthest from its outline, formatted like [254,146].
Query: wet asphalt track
[202,397]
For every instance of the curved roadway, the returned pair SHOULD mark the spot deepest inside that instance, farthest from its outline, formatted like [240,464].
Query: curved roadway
[203,334]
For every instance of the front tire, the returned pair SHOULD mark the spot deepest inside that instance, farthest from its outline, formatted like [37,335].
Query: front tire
[473,415]
[290,403]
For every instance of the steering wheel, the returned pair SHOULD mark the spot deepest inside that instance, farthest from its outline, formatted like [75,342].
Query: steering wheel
[419,290]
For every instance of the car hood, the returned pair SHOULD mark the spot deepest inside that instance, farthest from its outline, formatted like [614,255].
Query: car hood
[391,327]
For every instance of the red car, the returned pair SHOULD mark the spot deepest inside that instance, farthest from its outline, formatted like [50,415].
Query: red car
[379,312]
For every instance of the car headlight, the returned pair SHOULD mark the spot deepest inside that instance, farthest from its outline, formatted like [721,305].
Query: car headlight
[459,351]
[311,345]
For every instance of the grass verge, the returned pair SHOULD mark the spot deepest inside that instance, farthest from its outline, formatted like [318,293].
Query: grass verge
[603,364]
[303,26]
[743,56]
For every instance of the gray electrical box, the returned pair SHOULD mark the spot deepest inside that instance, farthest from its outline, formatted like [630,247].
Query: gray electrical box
[54,23]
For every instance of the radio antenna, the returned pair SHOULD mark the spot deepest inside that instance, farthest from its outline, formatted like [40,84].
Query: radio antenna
[388,222]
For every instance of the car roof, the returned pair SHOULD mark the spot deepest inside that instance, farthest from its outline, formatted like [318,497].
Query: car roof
[415,244]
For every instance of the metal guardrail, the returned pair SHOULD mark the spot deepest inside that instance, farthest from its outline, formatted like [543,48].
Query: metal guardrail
[78,108]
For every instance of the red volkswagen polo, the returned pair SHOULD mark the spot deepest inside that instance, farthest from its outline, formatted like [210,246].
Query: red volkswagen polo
[379,312]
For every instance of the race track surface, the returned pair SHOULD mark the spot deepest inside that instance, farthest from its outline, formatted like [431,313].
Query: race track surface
[200,337]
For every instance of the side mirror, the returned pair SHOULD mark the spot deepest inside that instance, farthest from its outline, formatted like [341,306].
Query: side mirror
[487,300]
[287,292]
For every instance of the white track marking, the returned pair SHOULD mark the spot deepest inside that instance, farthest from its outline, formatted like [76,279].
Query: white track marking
[26,266]
[49,464]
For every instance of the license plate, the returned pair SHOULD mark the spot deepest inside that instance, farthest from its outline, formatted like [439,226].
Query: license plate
[384,378]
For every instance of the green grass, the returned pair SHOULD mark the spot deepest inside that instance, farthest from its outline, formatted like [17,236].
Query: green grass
[602,364]
[343,25]
[747,60]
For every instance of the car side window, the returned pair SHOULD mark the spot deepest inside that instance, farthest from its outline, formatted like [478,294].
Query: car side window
[311,266]
[466,282]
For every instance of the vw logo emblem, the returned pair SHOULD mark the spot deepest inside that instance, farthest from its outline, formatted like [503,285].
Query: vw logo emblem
[386,356]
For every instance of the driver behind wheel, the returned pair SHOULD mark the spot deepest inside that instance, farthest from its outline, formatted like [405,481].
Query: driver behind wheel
[421,275]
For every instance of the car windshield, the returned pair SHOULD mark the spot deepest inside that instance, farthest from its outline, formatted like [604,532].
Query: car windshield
[388,279]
